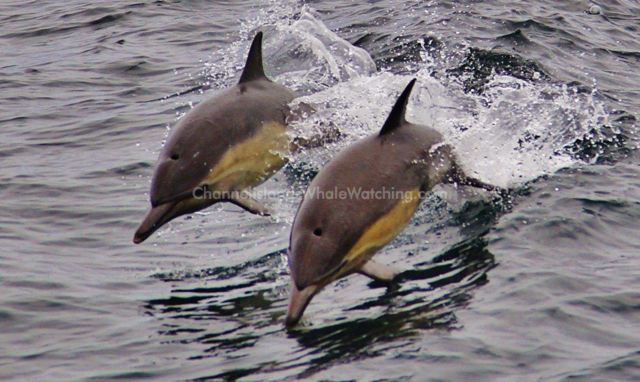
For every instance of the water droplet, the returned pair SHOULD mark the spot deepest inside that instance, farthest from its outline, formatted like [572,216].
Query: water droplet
[594,10]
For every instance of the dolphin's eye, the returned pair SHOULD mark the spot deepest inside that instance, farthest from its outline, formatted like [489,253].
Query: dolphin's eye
[175,156]
[317,231]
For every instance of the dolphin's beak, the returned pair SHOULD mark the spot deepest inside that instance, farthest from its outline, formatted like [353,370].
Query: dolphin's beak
[156,217]
[298,302]
[160,215]
[157,201]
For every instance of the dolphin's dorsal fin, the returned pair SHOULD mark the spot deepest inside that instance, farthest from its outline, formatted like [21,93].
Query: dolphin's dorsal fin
[253,69]
[397,115]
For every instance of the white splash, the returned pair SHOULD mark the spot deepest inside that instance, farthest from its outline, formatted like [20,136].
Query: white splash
[312,57]
[299,51]
[513,132]
[516,130]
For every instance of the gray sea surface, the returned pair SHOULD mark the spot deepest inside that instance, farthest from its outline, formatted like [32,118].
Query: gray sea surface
[539,96]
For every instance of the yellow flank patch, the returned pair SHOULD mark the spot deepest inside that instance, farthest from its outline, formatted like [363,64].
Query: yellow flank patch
[251,162]
[383,230]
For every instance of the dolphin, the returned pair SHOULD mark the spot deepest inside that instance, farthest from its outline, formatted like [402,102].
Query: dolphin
[361,200]
[224,146]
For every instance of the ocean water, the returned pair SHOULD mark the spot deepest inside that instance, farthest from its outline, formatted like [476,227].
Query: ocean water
[543,284]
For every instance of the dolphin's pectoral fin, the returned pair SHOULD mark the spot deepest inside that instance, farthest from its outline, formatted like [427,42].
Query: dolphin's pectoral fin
[244,201]
[378,272]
